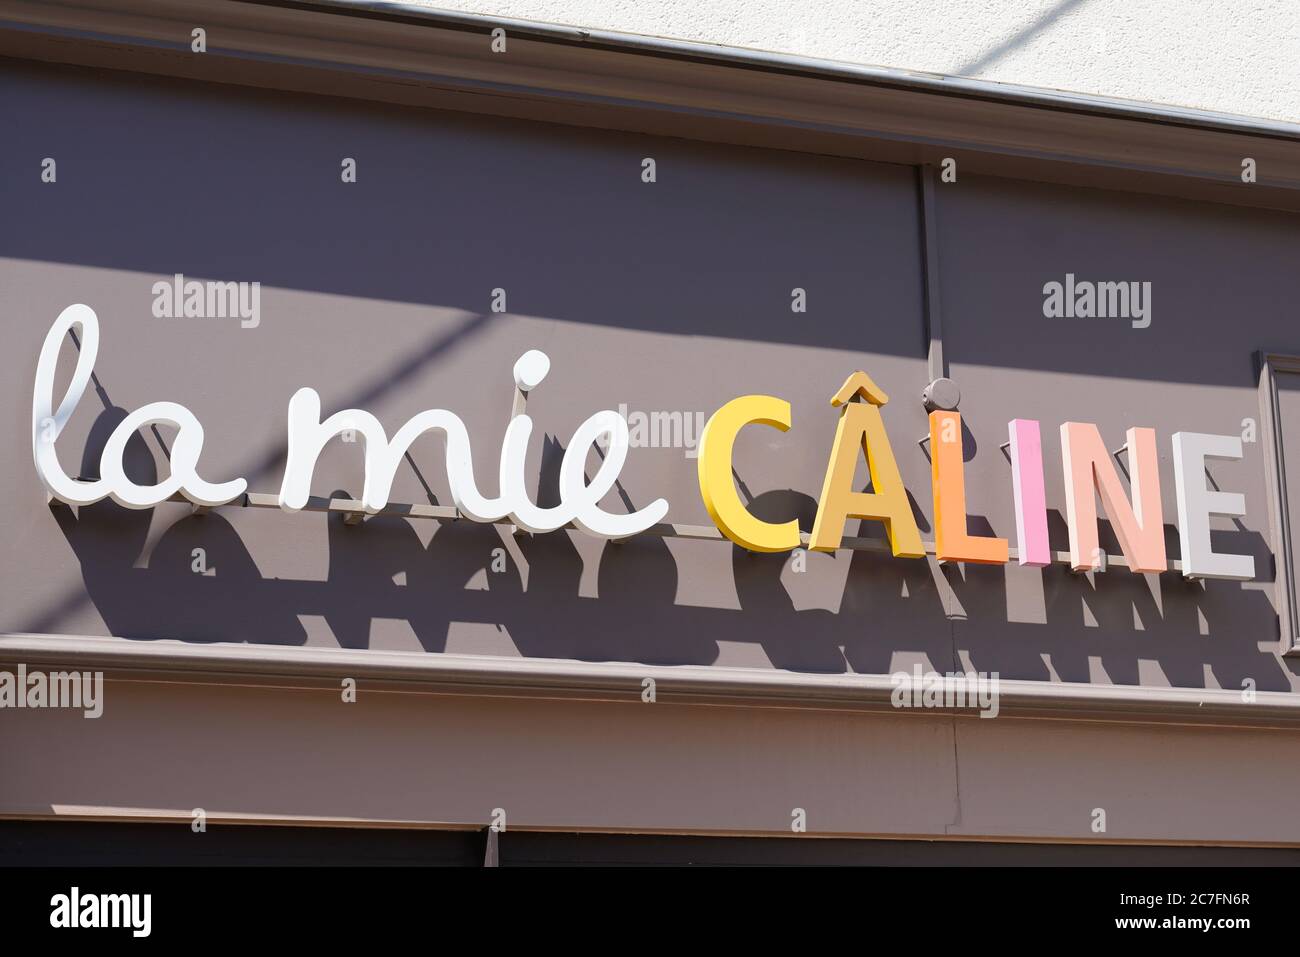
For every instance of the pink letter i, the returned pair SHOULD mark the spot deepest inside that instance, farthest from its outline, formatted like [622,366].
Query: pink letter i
[1031,500]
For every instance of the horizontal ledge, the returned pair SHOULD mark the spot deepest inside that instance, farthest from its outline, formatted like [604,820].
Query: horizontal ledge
[185,817]
[432,673]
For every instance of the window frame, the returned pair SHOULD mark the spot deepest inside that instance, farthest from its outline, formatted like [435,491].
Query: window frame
[1271,365]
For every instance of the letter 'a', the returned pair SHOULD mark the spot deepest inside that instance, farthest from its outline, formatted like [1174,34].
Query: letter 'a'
[861,426]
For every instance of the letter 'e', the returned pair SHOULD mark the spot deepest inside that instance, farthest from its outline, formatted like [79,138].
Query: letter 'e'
[1196,504]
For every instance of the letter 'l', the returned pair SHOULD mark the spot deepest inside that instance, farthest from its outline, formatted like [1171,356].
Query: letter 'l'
[952,542]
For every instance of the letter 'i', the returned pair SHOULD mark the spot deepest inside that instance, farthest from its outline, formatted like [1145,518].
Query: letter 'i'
[1031,499]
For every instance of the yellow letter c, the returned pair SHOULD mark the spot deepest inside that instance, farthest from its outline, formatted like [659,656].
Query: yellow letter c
[719,490]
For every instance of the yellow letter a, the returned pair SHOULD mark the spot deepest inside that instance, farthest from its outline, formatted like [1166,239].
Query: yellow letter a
[861,424]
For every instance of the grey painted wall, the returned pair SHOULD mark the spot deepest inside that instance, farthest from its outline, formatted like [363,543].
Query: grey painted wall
[667,297]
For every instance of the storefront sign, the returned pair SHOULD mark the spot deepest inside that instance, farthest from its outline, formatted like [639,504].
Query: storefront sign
[1087,470]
